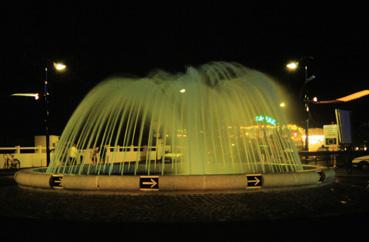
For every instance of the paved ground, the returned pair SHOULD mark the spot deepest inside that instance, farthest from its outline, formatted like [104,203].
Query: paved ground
[339,210]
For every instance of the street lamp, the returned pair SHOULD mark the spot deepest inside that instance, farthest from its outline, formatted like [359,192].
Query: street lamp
[59,67]
[293,66]
[36,96]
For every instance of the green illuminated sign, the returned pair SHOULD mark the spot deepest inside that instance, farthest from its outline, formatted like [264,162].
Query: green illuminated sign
[266,119]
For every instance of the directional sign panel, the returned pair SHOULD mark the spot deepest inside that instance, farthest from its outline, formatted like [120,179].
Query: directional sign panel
[56,181]
[149,183]
[321,176]
[254,181]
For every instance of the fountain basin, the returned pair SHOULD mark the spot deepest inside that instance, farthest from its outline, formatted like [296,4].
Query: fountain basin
[310,175]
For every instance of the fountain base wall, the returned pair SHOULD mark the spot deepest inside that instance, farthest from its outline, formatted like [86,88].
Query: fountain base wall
[312,175]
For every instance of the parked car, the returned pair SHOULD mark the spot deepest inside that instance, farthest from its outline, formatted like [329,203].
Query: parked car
[361,162]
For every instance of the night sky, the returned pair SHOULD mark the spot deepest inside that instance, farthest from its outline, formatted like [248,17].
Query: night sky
[98,40]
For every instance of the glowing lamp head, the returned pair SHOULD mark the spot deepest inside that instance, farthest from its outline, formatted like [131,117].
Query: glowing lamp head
[292,66]
[60,67]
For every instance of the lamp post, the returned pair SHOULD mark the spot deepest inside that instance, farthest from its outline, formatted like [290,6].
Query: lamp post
[292,66]
[60,67]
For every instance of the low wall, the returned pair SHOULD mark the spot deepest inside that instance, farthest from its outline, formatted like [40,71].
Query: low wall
[32,178]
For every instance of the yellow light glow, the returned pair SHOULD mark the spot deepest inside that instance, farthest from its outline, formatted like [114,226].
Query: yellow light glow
[282,104]
[315,99]
[316,139]
[182,90]
[293,65]
[34,95]
[59,66]
[353,96]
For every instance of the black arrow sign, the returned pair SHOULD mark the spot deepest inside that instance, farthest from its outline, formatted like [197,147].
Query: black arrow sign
[321,176]
[254,180]
[149,183]
[56,181]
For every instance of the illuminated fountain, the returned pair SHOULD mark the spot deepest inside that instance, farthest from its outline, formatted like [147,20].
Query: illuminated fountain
[204,121]
[221,119]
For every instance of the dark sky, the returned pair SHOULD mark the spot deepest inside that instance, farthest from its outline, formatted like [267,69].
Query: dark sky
[99,40]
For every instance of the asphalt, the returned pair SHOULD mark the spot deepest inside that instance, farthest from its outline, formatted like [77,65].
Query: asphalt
[337,211]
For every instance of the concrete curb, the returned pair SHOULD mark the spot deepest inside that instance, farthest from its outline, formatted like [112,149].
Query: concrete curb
[34,178]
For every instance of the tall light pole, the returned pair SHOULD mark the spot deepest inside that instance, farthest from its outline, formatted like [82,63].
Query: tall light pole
[60,67]
[292,66]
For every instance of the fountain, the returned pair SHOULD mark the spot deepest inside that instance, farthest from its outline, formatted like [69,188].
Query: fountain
[216,125]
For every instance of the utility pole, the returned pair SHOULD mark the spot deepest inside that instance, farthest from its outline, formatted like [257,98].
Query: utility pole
[46,118]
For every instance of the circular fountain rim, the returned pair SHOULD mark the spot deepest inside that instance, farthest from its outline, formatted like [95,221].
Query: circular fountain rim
[37,178]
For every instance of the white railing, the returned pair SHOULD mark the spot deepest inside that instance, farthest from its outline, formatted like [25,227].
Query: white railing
[134,153]
[36,158]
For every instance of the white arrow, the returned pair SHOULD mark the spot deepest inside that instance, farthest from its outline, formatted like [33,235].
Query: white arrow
[152,183]
[257,180]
